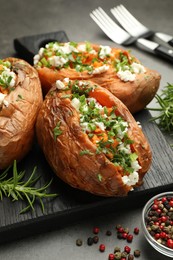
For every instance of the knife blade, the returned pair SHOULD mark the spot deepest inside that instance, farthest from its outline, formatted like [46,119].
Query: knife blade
[156,48]
[165,37]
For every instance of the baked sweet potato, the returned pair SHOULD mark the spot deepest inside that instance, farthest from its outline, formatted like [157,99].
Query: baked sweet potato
[20,100]
[112,68]
[91,140]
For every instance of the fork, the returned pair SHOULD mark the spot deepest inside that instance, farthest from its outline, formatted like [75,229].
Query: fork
[120,36]
[110,28]
[134,27]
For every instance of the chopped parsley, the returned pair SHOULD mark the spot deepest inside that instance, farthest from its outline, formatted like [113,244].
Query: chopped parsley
[57,131]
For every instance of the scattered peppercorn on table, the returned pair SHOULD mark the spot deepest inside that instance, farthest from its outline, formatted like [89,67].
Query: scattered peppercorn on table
[116,234]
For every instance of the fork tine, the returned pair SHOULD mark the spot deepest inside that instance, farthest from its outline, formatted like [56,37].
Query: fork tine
[131,18]
[129,22]
[110,28]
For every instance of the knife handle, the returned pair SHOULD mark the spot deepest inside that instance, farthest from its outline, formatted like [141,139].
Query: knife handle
[170,42]
[164,52]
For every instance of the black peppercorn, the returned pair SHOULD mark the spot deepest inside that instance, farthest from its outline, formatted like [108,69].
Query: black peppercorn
[90,241]
[108,233]
[130,257]
[95,239]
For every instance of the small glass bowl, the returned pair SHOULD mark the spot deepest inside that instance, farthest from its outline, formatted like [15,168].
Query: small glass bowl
[153,242]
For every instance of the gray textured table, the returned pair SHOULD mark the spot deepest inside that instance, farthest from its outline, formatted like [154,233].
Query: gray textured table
[21,18]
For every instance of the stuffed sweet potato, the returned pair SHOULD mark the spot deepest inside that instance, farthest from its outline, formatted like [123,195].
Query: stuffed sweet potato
[20,100]
[91,140]
[112,68]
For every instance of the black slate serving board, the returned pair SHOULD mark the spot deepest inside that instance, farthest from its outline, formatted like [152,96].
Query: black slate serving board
[72,204]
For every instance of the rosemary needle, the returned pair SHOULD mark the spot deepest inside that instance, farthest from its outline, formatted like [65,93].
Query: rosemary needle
[165,101]
[16,189]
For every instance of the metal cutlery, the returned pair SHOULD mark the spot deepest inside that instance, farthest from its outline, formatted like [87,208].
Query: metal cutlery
[120,36]
[134,27]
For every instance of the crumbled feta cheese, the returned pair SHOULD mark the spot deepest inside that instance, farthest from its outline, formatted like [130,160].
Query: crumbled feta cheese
[138,68]
[57,61]
[104,51]
[83,48]
[100,125]
[6,74]
[126,75]
[123,148]
[60,84]
[76,103]
[131,179]
[135,165]
[66,80]
[100,69]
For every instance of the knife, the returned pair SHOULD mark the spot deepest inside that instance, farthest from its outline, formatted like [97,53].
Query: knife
[165,37]
[156,48]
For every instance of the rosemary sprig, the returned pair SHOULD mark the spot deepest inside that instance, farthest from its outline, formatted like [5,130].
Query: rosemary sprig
[16,189]
[165,101]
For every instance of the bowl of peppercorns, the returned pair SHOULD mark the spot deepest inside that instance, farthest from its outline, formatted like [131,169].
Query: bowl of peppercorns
[157,222]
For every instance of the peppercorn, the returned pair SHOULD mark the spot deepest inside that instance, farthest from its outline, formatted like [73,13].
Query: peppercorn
[124,255]
[136,230]
[124,235]
[137,253]
[117,249]
[102,247]
[130,257]
[118,226]
[126,230]
[95,239]
[117,255]
[119,235]
[90,241]
[108,233]
[96,230]
[127,249]
[111,257]
[129,238]
[79,242]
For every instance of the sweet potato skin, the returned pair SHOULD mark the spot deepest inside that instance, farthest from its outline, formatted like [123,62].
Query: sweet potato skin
[135,95]
[63,153]
[17,121]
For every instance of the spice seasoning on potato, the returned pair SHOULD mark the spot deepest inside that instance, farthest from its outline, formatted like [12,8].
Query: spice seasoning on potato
[112,68]
[20,100]
[91,140]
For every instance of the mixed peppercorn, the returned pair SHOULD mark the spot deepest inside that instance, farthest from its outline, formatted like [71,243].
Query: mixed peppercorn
[117,254]
[159,221]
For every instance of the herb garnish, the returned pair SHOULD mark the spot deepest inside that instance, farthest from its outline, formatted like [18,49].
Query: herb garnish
[56,130]
[16,189]
[165,101]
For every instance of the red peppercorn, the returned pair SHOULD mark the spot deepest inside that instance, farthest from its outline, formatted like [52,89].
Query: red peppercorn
[102,247]
[136,230]
[111,257]
[162,235]
[163,218]
[120,230]
[127,249]
[169,243]
[96,230]
[124,235]
[157,236]
[156,201]
[171,203]
[164,199]
[129,238]
[159,211]
[155,207]
[123,258]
